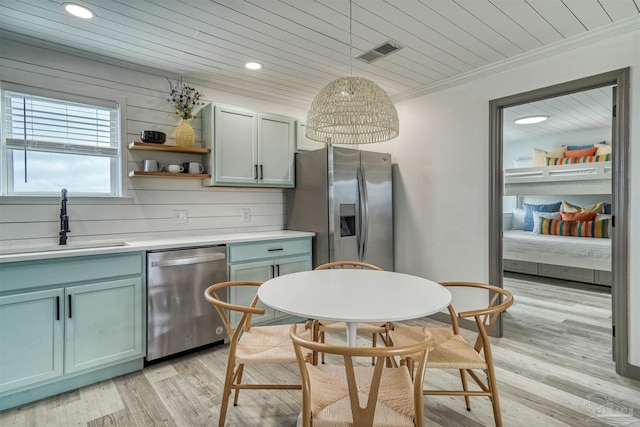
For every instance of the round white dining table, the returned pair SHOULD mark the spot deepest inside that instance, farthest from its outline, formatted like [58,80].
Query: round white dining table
[354,295]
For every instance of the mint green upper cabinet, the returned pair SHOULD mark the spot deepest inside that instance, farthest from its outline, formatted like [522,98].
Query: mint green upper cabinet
[31,338]
[235,151]
[302,142]
[276,136]
[248,148]
[103,323]
[305,144]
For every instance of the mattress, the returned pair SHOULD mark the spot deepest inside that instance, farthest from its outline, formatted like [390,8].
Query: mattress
[581,252]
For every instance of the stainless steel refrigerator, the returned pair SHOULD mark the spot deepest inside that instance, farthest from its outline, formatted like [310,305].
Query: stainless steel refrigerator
[344,196]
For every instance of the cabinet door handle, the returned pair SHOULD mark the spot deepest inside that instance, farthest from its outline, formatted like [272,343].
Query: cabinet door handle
[70,316]
[278,269]
[273,271]
[57,308]
[273,250]
[255,172]
[261,174]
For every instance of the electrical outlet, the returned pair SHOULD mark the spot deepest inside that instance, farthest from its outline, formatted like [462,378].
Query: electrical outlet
[180,216]
[246,214]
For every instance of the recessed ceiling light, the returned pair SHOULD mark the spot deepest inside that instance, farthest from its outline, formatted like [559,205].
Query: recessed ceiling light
[530,120]
[253,65]
[79,11]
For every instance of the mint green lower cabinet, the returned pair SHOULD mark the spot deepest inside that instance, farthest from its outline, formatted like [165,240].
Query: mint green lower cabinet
[293,265]
[261,261]
[103,323]
[31,338]
[259,271]
[69,322]
[287,266]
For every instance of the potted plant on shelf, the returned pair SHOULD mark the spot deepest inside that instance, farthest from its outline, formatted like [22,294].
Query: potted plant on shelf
[184,99]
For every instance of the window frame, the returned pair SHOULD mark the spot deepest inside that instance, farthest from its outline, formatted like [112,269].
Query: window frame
[100,98]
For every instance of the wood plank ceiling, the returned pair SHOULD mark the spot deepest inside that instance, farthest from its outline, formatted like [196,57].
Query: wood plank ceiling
[304,44]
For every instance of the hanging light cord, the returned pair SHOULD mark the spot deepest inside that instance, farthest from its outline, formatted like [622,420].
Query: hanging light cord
[350,39]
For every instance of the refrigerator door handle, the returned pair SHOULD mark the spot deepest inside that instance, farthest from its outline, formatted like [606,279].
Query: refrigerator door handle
[365,216]
[361,215]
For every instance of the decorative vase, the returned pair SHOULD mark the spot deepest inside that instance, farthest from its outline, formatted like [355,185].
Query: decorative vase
[185,136]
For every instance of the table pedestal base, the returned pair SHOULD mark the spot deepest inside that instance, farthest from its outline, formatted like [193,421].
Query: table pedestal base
[352,332]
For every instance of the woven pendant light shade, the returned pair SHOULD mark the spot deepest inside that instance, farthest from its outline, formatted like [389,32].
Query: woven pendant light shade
[352,110]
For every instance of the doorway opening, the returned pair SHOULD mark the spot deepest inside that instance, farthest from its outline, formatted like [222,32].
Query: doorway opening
[562,282]
[619,196]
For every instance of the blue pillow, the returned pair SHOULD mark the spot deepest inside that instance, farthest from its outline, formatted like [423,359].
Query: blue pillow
[579,147]
[530,209]
[607,208]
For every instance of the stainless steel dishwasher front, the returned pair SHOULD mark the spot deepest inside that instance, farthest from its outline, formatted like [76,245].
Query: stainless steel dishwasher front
[178,316]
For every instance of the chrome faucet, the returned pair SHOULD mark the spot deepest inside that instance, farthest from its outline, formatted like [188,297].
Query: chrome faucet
[64,218]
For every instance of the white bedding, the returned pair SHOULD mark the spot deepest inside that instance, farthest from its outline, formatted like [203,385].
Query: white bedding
[581,252]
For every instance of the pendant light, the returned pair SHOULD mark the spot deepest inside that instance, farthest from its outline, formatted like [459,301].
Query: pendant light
[351,110]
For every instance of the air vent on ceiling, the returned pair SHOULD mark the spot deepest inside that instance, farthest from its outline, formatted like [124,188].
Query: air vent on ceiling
[378,52]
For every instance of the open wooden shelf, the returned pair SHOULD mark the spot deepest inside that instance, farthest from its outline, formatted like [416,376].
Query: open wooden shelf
[134,174]
[137,145]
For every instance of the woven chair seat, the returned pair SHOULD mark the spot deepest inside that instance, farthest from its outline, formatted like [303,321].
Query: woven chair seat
[456,353]
[330,398]
[405,335]
[450,351]
[268,344]
[333,326]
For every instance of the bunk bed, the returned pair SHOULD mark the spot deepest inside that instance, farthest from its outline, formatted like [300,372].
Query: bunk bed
[577,178]
[584,259]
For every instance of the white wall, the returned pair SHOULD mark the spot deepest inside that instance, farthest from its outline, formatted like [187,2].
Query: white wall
[442,154]
[148,211]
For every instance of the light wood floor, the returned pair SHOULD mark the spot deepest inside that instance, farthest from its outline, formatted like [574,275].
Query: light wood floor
[554,355]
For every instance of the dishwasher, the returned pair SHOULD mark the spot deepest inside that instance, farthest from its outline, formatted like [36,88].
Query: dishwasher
[178,316]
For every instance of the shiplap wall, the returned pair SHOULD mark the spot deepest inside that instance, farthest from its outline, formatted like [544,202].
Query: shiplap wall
[149,207]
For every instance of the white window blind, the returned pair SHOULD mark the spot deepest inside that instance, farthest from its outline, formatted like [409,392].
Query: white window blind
[56,126]
[52,142]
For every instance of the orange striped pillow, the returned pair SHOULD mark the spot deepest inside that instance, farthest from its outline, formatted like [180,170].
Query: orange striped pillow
[597,228]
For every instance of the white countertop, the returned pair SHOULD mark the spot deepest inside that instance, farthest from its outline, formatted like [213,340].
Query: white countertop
[8,254]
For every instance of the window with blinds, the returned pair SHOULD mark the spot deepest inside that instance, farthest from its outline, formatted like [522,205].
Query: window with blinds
[51,144]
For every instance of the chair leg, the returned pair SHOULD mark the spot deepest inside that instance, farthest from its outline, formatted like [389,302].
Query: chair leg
[238,381]
[226,392]
[321,335]
[495,401]
[316,338]
[374,338]
[387,342]
[465,387]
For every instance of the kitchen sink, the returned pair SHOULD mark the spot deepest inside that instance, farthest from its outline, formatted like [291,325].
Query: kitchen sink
[53,247]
